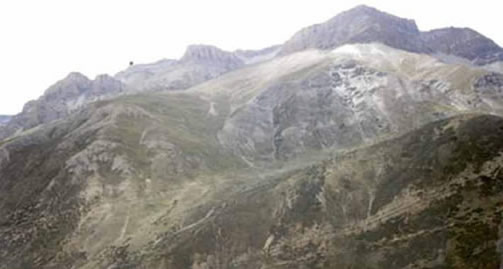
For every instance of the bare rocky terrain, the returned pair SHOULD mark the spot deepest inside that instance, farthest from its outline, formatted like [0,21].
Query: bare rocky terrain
[359,143]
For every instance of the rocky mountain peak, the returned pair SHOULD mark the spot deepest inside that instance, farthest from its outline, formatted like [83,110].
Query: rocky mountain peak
[76,76]
[367,16]
[369,11]
[210,54]
[361,24]
[73,83]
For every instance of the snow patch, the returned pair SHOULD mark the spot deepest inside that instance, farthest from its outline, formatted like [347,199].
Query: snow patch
[212,110]
[348,49]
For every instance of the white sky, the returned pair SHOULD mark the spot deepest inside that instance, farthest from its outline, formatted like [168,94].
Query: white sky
[41,41]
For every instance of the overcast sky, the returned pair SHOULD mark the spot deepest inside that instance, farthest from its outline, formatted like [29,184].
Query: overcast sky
[42,41]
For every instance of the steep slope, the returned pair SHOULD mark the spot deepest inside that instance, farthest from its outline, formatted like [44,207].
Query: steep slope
[61,99]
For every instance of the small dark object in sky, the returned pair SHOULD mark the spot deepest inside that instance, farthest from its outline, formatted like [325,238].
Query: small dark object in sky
[131,63]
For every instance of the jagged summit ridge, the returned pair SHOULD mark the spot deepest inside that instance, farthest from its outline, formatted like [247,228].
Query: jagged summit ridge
[208,53]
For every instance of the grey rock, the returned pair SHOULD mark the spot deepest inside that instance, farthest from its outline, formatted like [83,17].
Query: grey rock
[465,43]
[4,119]
[211,55]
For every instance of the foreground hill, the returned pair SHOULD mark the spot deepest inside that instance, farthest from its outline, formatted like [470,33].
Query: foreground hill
[117,188]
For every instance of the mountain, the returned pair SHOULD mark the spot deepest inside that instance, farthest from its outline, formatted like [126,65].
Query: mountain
[365,24]
[199,63]
[362,24]
[363,155]
[334,159]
